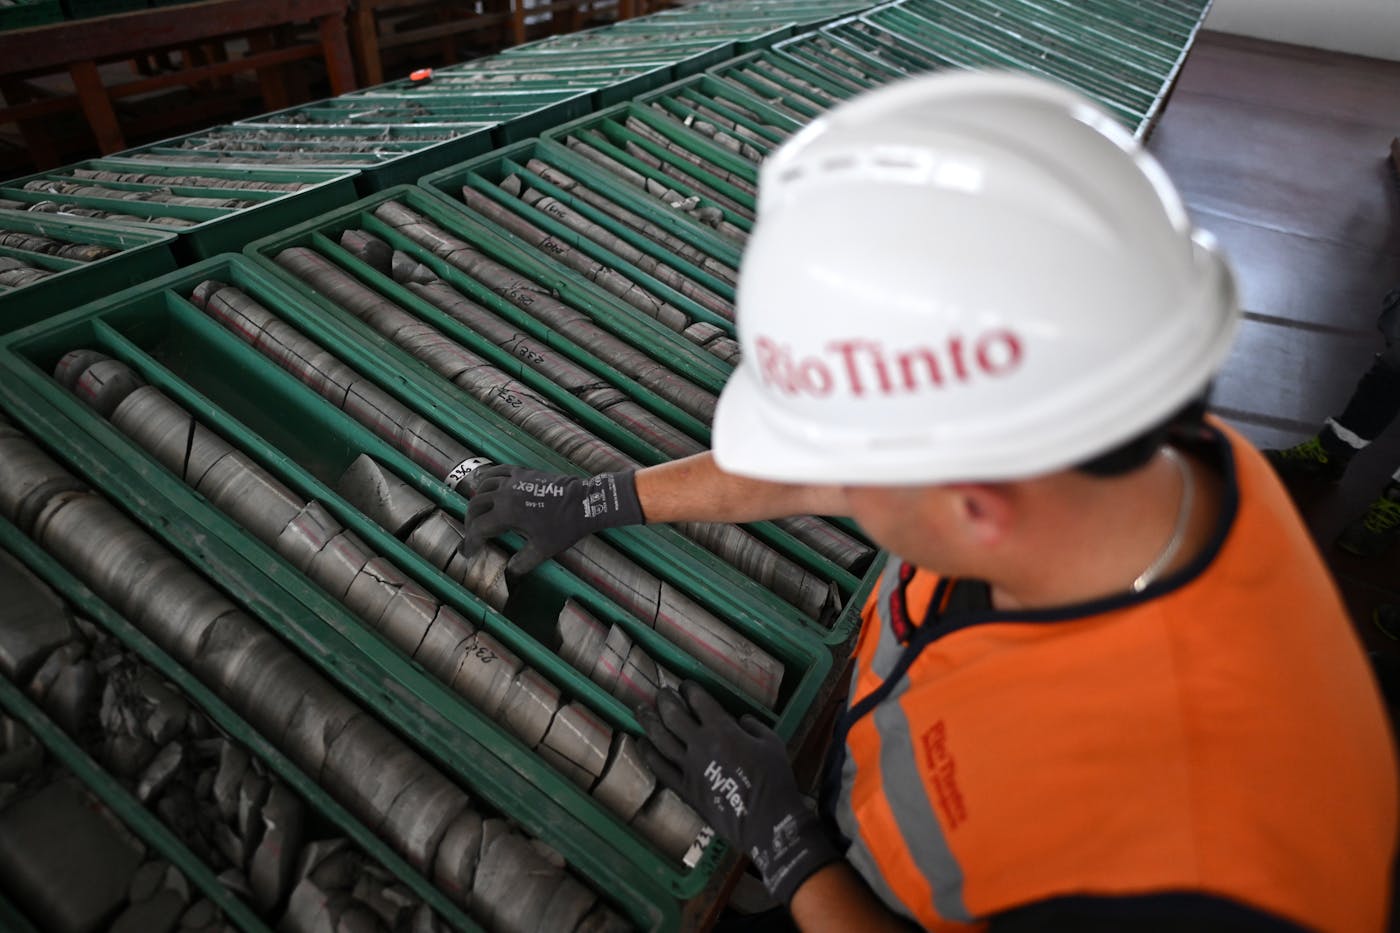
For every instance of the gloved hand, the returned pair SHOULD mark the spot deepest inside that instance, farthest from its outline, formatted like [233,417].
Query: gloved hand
[736,775]
[551,510]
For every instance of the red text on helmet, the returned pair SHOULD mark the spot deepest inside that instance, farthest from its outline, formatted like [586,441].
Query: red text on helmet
[857,366]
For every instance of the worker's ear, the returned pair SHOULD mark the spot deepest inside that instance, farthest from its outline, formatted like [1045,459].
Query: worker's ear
[986,511]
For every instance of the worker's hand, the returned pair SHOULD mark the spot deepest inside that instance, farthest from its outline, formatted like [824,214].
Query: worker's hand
[735,773]
[551,510]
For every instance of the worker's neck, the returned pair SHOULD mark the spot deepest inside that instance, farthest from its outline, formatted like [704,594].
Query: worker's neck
[1089,539]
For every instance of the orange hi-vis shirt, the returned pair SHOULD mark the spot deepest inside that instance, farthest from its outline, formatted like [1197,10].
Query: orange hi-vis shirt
[1219,733]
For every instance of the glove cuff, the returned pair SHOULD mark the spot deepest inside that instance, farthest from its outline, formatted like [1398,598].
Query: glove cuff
[462,477]
[610,501]
[799,849]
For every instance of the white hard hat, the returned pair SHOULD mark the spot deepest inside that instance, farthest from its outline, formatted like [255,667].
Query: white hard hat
[965,277]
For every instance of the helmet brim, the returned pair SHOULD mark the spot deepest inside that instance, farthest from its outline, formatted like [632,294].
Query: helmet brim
[745,443]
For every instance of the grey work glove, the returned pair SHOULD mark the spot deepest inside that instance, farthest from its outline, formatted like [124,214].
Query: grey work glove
[550,510]
[736,775]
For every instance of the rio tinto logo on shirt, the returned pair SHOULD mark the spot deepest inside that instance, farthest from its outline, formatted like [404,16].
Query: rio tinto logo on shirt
[858,367]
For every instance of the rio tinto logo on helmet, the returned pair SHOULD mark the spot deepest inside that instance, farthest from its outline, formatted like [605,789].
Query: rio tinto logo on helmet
[859,367]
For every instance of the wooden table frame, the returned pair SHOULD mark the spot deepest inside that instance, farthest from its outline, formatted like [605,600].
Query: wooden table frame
[367,42]
[78,47]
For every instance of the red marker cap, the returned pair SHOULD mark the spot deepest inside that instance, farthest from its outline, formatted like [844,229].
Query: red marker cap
[422,74]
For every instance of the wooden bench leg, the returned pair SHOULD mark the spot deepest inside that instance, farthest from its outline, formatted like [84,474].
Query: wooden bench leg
[270,79]
[97,107]
[364,38]
[295,75]
[193,57]
[217,52]
[336,47]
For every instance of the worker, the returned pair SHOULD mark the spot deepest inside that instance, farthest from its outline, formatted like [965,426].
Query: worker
[1324,457]
[1104,682]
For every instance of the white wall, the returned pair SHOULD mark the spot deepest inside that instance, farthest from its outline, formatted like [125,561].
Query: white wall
[1362,27]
